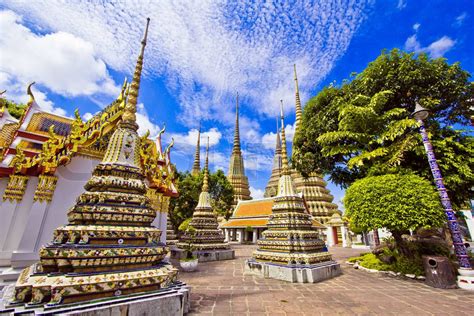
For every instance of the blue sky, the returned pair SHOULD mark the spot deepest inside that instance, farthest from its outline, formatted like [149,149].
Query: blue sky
[200,53]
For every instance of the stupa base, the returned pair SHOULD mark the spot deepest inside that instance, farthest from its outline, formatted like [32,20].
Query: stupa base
[295,274]
[174,300]
[203,255]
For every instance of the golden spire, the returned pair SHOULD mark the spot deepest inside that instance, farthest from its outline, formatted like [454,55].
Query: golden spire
[205,185]
[299,111]
[284,158]
[197,155]
[236,148]
[131,106]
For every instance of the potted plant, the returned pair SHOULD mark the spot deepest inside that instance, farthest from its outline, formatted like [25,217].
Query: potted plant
[190,262]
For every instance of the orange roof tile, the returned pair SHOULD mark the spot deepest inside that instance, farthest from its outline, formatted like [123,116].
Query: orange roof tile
[253,222]
[261,207]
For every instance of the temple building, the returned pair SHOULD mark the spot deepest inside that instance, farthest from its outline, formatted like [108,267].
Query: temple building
[317,198]
[250,218]
[109,247]
[45,161]
[236,174]
[207,241]
[290,249]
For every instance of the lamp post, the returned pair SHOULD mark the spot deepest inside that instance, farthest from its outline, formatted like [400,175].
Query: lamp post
[421,114]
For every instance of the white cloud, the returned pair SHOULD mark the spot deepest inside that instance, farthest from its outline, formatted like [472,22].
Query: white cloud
[460,19]
[416,26]
[208,49]
[256,193]
[87,116]
[440,47]
[16,91]
[436,49]
[401,4]
[269,139]
[188,141]
[144,122]
[59,61]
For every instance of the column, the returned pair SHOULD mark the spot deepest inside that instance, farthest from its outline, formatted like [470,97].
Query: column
[329,236]
[255,234]
[344,236]
[240,236]
[226,232]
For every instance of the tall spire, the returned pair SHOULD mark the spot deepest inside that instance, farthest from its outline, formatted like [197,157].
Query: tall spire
[272,185]
[299,111]
[205,185]
[284,158]
[236,148]
[131,106]
[278,141]
[197,155]
[236,174]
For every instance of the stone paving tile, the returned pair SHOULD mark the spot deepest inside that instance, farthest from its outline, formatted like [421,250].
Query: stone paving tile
[221,288]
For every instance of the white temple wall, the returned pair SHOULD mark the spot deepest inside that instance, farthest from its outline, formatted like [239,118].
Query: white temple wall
[45,217]
[14,220]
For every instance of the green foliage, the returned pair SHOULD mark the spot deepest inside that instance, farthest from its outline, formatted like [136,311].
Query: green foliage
[222,194]
[189,187]
[249,229]
[364,126]
[370,261]
[401,264]
[395,202]
[185,224]
[15,109]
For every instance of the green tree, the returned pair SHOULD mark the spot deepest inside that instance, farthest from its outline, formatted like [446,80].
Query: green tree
[222,194]
[15,109]
[398,203]
[189,187]
[364,128]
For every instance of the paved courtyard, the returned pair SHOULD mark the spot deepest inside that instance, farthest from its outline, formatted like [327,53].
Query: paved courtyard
[221,288]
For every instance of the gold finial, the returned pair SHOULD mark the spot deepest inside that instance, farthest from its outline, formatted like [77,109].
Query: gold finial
[32,97]
[162,130]
[298,109]
[122,92]
[205,186]
[131,106]
[284,158]
[167,150]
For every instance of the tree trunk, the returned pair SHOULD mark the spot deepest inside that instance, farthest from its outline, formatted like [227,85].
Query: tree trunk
[376,238]
[400,243]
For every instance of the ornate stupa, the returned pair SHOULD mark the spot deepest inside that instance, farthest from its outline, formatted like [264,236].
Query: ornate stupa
[236,174]
[171,236]
[207,240]
[317,197]
[197,159]
[272,186]
[108,248]
[290,248]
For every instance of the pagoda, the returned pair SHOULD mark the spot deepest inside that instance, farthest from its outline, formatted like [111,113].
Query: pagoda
[207,241]
[290,249]
[108,249]
[197,159]
[236,174]
[272,186]
[317,197]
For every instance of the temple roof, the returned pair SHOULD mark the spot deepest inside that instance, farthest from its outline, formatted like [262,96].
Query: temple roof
[40,142]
